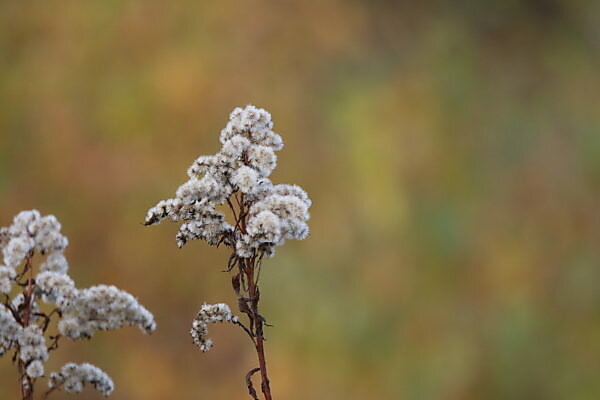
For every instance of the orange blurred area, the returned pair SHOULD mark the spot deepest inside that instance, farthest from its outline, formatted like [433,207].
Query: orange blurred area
[452,153]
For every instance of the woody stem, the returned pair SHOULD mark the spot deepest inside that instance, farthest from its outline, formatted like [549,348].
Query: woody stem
[254,296]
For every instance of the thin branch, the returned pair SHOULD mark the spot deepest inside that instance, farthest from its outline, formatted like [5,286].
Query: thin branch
[12,310]
[232,209]
[46,320]
[258,267]
[47,393]
[246,330]
[27,266]
[240,222]
[54,344]
[237,200]
[251,390]
[243,277]
[233,259]
[55,311]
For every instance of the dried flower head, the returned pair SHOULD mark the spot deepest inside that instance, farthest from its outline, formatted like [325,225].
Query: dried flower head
[10,330]
[72,377]
[77,313]
[238,173]
[264,216]
[102,308]
[209,314]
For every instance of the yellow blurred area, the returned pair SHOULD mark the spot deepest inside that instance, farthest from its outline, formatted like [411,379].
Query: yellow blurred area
[451,150]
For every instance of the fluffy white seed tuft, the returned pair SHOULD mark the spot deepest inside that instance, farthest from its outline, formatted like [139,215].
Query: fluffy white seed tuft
[209,314]
[235,147]
[7,276]
[73,377]
[10,330]
[245,179]
[35,369]
[264,227]
[263,159]
[104,308]
[32,344]
[56,288]
[16,250]
[55,262]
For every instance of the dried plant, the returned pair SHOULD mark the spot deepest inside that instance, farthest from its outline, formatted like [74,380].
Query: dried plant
[48,305]
[264,216]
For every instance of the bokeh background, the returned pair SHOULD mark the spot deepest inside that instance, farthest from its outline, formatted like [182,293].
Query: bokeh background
[451,149]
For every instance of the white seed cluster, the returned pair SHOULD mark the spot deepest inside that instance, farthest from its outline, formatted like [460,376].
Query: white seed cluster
[82,311]
[72,378]
[209,314]
[56,288]
[55,262]
[275,218]
[33,350]
[243,165]
[30,231]
[104,308]
[10,330]
[7,276]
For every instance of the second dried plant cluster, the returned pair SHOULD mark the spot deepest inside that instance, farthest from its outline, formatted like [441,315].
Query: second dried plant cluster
[47,307]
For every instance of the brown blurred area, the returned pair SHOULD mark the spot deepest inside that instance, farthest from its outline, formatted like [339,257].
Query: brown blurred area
[451,150]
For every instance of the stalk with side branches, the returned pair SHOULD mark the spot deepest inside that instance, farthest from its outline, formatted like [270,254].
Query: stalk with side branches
[264,215]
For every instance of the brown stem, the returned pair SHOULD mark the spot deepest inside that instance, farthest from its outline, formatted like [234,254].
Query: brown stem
[243,214]
[249,305]
[254,295]
[266,389]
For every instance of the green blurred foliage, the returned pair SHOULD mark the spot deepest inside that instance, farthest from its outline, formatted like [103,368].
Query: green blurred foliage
[452,151]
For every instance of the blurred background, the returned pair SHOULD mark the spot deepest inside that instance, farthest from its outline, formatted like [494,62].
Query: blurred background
[452,153]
